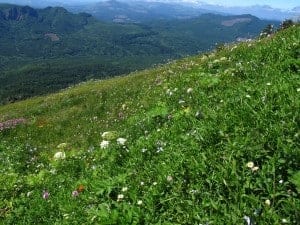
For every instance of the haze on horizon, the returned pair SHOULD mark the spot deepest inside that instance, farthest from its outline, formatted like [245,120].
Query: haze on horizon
[279,4]
[290,4]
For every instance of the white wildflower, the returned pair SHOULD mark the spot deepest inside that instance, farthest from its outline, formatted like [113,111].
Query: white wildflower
[250,165]
[104,144]
[189,90]
[59,155]
[268,84]
[124,189]
[139,202]
[284,221]
[106,134]
[159,149]
[268,202]
[247,219]
[142,183]
[121,141]
[298,89]
[169,178]
[234,47]
[248,96]
[281,182]
[154,183]
[120,197]
[62,145]
[53,171]
[255,168]
[169,92]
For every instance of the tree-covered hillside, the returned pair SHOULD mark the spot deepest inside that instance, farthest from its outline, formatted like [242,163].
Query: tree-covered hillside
[209,139]
[44,50]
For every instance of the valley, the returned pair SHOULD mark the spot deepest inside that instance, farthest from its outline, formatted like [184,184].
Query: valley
[45,50]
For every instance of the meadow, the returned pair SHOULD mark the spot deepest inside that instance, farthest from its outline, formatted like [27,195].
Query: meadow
[209,139]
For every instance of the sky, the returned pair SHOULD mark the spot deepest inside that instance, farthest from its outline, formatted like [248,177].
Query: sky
[283,4]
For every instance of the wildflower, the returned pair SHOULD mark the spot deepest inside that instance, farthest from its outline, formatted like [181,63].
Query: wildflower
[169,178]
[248,96]
[62,145]
[169,92]
[80,188]
[187,110]
[104,144]
[193,191]
[75,194]
[189,90]
[154,183]
[268,84]
[181,102]
[250,165]
[59,155]
[109,135]
[142,183]
[255,168]
[46,195]
[121,141]
[268,202]
[298,89]
[284,221]
[144,150]
[139,202]
[124,189]
[11,123]
[120,197]
[159,149]
[248,220]
[281,182]
[53,171]
[29,193]
[105,134]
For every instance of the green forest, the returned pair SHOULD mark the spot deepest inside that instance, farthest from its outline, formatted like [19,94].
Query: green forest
[45,50]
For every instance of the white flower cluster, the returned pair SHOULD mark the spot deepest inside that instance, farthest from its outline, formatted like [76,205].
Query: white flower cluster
[109,136]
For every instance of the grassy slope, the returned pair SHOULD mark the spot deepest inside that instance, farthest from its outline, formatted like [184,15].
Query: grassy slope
[243,105]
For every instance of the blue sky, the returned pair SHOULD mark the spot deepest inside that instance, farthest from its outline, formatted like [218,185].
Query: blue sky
[284,4]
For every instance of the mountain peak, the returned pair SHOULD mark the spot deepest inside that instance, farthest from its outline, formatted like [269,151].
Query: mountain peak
[13,12]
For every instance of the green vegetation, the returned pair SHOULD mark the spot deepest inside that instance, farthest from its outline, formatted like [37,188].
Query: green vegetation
[45,50]
[210,139]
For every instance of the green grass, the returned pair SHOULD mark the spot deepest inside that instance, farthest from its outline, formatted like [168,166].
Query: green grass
[192,127]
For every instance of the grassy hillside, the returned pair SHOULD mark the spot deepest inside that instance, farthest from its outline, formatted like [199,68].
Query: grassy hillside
[211,139]
[45,50]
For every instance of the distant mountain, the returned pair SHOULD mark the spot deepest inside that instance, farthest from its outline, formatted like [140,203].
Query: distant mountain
[145,10]
[53,48]
[261,11]
[137,11]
